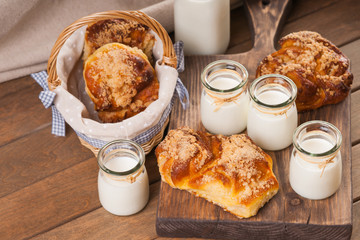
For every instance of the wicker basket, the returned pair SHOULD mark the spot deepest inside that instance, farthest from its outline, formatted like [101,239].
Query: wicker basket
[168,58]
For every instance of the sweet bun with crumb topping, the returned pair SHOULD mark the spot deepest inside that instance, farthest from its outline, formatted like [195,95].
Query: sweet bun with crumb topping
[125,31]
[120,81]
[319,69]
[231,172]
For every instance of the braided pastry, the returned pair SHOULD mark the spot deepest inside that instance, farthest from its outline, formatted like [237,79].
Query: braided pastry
[231,172]
[318,68]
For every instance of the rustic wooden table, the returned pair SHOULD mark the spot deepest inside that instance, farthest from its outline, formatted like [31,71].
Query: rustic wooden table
[48,184]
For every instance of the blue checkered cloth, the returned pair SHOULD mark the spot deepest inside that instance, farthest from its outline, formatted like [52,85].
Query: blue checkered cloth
[180,88]
[58,123]
[47,98]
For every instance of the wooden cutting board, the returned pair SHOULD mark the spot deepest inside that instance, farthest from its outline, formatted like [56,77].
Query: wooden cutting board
[286,215]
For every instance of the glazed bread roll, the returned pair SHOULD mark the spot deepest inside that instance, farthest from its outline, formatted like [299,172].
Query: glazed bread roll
[128,32]
[319,69]
[120,81]
[231,172]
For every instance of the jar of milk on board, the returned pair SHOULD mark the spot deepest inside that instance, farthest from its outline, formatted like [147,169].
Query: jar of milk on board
[224,99]
[315,163]
[272,116]
[123,182]
[203,25]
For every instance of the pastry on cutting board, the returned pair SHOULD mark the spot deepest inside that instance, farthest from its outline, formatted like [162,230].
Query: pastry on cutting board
[319,69]
[231,172]
[120,81]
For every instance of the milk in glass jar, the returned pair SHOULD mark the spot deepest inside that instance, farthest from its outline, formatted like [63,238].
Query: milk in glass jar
[203,25]
[315,163]
[272,116]
[123,181]
[224,99]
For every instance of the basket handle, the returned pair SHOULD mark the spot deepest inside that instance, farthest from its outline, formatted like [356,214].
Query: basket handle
[169,56]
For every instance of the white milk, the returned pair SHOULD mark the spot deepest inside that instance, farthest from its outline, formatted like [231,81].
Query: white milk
[306,179]
[122,197]
[203,25]
[231,117]
[273,97]
[269,130]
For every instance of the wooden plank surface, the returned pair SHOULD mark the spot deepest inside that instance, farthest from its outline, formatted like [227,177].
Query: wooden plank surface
[22,96]
[66,195]
[36,156]
[331,22]
[355,119]
[356,172]
[100,224]
[48,184]
[352,50]
[240,32]
[356,217]
[287,214]
[203,215]
[319,21]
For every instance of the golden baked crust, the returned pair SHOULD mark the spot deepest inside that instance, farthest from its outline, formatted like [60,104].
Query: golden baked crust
[231,172]
[318,68]
[120,81]
[124,31]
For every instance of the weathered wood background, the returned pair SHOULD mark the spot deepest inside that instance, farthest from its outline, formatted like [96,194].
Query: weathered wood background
[287,215]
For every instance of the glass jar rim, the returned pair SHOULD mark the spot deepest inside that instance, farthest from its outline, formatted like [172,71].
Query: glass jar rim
[140,154]
[289,101]
[327,125]
[210,66]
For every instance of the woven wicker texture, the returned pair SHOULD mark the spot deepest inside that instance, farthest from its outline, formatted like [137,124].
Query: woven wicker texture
[168,58]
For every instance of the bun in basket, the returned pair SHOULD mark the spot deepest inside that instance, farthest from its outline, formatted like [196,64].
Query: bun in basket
[124,31]
[318,68]
[231,172]
[120,81]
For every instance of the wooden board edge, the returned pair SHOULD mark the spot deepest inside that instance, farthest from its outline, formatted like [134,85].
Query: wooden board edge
[316,232]
[228,229]
[180,228]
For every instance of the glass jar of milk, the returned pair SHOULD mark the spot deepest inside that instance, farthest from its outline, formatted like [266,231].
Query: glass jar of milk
[224,99]
[272,116]
[203,25]
[315,163]
[123,182]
